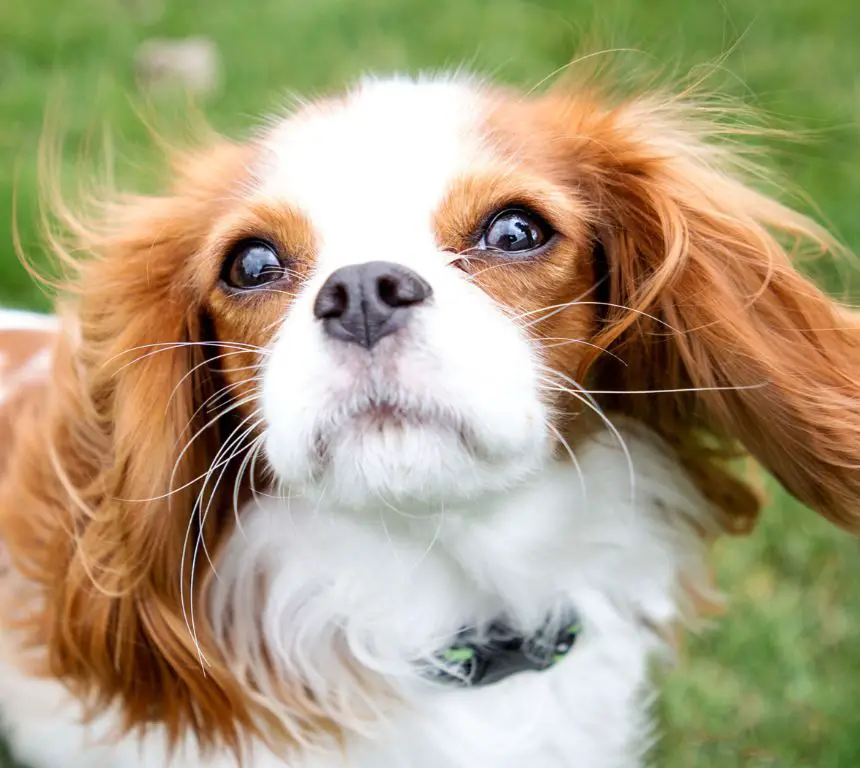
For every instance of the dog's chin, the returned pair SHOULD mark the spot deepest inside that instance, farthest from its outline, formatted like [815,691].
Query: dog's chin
[385,456]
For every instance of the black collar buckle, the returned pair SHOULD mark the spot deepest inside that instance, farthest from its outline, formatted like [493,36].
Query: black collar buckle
[483,657]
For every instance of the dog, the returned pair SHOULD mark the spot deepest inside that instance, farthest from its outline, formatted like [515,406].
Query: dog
[398,434]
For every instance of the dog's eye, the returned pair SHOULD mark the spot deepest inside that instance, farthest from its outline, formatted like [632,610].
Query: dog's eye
[515,230]
[252,263]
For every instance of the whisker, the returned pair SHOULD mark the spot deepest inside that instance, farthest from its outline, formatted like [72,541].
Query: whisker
[211,401]
[436,534]
[399,511]
[564,342]
[188,614]
[249,460]
[573,459]
[388,537]
[740,387]
[585,397]
[291,294]
[472,276]
[171,490]
[255,494]
[236,449]
[561,307]
[200,365]
[171,345]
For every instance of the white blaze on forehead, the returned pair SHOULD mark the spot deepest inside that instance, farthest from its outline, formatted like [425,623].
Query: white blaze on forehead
[370,170]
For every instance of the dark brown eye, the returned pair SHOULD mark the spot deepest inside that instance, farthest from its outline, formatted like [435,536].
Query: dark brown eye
[251,264]
[515,230]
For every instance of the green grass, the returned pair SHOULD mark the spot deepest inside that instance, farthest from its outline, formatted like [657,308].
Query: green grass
[775,682]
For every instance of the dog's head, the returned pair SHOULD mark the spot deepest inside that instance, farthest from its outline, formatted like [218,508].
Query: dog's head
[413,293]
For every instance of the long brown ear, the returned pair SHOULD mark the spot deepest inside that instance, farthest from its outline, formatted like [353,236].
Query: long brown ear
[97,504]
[707,298]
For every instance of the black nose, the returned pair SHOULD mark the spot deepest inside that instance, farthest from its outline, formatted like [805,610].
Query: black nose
[363,303]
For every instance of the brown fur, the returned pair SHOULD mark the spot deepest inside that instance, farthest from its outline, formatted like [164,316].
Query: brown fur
[19,389]
[92,464]
[706,297]
[17,347]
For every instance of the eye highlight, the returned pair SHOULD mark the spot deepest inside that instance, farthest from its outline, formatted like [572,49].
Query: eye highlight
[253,263]
[515,230]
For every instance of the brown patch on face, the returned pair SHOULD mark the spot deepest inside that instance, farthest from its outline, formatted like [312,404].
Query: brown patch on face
[252,317]
[551,291]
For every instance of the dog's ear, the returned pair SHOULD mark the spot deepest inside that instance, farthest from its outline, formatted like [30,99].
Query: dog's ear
[98,505]
[708,308]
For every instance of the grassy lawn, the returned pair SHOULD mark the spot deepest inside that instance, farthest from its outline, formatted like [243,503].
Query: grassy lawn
[774,683]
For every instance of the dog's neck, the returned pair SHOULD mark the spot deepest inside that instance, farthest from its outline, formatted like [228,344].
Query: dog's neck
[389,592]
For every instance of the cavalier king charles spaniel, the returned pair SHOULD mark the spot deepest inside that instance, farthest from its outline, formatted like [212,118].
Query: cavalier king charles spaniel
[396,435]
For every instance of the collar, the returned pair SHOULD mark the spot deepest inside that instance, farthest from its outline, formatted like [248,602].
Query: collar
[482,657]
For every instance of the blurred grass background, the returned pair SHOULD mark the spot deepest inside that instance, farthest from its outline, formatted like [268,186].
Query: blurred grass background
[776,681]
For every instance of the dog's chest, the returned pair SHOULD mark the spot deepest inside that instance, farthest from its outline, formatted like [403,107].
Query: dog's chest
[387,595]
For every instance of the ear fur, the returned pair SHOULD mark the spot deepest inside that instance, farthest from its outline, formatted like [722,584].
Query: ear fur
[708,298]
[96,505]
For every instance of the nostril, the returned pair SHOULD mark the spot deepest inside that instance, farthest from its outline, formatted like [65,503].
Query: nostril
[332,301]
[388,289]
[401,289]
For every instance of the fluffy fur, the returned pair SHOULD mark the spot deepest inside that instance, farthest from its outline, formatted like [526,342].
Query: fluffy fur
[233,537]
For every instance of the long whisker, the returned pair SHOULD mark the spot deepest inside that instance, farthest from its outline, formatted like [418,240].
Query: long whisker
[436,534]
[248,463]
[561,307]
[740,387]
[171,490]
[573,459]
[199,365]
[171,345]
[174,344]
[276,291]
[584,396]
[561,342]
[472,276]
[399,512]
[195,508]
[212,401]
[188,614]
[236,449]
[388,537]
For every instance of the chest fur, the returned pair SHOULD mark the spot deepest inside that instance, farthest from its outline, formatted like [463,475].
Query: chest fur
[355,605]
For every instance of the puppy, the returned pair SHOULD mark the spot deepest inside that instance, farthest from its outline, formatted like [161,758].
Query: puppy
[396,435]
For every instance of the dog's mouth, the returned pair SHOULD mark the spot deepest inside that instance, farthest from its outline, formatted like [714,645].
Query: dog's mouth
[381,414]
[387,417]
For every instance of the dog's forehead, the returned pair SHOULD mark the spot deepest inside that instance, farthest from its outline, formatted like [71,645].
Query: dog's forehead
[389,149]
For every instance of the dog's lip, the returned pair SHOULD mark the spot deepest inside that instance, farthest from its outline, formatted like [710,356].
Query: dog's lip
[377,413]
[384,410]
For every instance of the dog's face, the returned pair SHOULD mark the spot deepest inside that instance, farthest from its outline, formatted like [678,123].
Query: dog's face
[419,290]
[398,267]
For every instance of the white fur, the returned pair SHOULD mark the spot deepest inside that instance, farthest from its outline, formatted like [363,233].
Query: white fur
[370,173]
[378,541]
